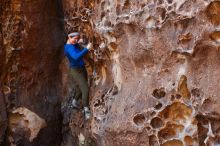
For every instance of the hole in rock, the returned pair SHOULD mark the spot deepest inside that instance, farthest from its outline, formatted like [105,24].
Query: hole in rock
[176,112]
[115,90]
[106,111]
[213,12]
[159,2]
[139,119]
[159,93]
[195,92]
[143,5]
[127,3]
[6,90]
[98,103]
[161,12]
[153,140]
[173,142]
[97,119]
[102,15]
[108,24]
[158,106]
[104,120]
[188,140]
[178,96]
[202,120]
[172,97]
[202,128]
[170,131]
[148,128]
[153,113]
[169,8]
[215,36]
[156,122]
[169,1]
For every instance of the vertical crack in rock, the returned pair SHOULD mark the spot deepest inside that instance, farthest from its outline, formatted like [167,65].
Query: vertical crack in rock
[31,40]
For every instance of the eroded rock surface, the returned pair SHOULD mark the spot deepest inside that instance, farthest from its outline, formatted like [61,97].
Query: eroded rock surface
[155,70]
[153,73]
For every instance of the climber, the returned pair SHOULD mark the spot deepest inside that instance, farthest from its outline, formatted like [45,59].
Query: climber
[77,68]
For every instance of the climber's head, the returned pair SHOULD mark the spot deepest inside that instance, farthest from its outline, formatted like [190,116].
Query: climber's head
[73,38]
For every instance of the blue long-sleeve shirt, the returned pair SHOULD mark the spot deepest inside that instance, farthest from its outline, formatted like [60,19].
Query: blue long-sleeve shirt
[75,55]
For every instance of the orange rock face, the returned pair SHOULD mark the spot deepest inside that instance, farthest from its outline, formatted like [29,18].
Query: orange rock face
[157,75]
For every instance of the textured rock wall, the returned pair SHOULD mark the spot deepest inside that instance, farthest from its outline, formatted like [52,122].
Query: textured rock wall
[31,41]
[155,70]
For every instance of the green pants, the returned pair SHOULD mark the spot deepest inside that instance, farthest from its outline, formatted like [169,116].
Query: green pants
[80,76]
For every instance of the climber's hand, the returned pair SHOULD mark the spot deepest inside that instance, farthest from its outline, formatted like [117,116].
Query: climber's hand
[89,46]
[80,41]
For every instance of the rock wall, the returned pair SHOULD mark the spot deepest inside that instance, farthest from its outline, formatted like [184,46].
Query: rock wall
[3,119]
[154,71]
[31,41]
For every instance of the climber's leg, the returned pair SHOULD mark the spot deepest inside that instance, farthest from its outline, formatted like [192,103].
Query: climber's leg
[80,76]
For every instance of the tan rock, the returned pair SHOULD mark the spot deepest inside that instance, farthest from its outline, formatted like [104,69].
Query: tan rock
[27,121]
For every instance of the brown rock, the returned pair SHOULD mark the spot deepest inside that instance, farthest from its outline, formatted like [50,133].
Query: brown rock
[31,41]
[155,51]
[26,121]
[158,54]
[3,118]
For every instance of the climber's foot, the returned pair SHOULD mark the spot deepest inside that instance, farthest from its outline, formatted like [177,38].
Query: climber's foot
[74,104]
[86,113]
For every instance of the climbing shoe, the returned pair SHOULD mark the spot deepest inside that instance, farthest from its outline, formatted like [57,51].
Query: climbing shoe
[86,113]
[74,104]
